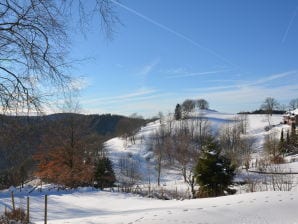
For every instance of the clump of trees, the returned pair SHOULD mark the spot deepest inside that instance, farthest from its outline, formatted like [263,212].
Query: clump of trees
[184,146]
[277,147]
[234,145]
[129,171]
[182,111]
[179,147]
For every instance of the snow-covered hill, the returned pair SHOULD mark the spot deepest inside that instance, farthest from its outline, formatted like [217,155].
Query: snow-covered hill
[140,150]
[87,205]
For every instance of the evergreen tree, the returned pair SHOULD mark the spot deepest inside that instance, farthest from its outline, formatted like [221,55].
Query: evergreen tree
[104,173]
[214,172]
[178,112]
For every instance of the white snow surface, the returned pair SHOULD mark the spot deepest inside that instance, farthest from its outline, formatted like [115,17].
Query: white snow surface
[90,207]
[86,205]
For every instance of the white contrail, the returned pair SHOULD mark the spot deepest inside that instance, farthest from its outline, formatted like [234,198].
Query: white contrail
[198,73]
[178,34]
[289,26]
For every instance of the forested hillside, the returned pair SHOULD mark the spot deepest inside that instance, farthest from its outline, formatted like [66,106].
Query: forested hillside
[22,137]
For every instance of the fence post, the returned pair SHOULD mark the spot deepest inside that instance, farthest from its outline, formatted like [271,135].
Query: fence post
[12,201]
[45,209]
[28,209]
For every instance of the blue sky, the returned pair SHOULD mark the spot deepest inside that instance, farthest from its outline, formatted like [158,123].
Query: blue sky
[233,53]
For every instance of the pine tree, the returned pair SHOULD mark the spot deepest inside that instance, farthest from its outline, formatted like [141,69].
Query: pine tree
[214,172]
[104,174]
[178,112]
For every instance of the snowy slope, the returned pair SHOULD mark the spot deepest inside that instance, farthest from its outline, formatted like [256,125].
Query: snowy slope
[140,150]
[113,208]
[87,205]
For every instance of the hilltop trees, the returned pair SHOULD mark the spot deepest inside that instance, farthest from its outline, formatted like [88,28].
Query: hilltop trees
[187,107]
[182,111]
[214,172]
[202,104]
[178,112]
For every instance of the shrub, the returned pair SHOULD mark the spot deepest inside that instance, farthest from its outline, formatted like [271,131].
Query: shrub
[18,215]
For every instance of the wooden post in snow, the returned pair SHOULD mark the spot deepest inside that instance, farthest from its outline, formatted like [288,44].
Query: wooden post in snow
[28,210]
[45,209]
[12,201]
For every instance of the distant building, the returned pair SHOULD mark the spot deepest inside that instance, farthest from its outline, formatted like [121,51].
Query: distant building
[291,117]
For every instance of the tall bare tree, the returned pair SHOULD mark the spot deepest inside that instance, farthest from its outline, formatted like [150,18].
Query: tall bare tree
[269,105]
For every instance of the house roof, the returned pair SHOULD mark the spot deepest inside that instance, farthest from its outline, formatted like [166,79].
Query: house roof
[292,112]
[295,112]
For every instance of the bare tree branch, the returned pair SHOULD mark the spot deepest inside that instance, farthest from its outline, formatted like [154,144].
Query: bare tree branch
[33,49]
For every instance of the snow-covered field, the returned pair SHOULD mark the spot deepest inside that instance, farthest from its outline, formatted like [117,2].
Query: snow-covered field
[87,205]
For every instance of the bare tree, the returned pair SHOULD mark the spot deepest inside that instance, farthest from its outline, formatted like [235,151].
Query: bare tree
[271,145]
[243,123]
[230,141]
[269,105]
[161,117]
[235,146]
[293,104]
[161,146]
[33,47]
[129,170]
